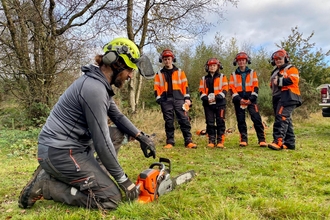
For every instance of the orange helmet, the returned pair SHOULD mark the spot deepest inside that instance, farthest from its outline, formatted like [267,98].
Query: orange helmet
[212,61]
[279,54]
[167,53]
[241,55]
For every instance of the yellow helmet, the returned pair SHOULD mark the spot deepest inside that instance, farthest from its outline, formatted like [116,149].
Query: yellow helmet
[126,49]
[130,53]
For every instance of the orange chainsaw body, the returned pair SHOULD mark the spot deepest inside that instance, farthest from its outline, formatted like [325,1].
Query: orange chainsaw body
[147,183]
[149,179]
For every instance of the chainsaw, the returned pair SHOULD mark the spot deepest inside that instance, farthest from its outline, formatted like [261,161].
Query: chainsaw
[156,180]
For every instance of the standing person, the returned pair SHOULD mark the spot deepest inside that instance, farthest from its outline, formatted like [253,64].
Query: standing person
[213,89]
[172,92]
[286,97]
[68,172]
[243,86]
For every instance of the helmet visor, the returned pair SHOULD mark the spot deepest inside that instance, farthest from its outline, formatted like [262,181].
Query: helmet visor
[145,67]
[279,54]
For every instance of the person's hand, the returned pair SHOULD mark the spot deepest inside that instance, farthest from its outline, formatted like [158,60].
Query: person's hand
[147,145]
[187,101]
[243,102]
[130,189]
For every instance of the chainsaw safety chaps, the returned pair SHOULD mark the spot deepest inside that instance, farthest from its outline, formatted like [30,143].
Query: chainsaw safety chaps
[170,107]
[77,179]
[215,123]
[283,127]
[256,119]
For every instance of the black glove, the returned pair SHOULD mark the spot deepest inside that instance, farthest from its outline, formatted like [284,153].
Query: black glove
[146,145]
[159,101]
[218,97]
[253,98]
[205,100]
[130,189]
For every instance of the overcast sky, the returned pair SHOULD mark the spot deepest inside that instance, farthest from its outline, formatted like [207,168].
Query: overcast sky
[266,22]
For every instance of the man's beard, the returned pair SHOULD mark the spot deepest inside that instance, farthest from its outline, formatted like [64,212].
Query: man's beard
[119,81]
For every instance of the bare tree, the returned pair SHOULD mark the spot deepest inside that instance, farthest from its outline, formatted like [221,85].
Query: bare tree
[160,22]
[41,42]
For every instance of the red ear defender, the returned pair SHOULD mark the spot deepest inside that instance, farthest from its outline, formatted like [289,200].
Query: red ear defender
[242,55]
[212,61]
[167,53]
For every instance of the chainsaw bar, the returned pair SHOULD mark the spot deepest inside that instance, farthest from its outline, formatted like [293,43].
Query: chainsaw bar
[183,177]
[168,184]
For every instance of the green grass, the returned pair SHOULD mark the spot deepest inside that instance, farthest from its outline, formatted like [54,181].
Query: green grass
[234,183]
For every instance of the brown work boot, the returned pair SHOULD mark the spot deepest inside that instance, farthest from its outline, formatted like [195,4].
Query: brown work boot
[242,144]
[191,145]
[274,146]
[32,192]
[168,146]
[263,144]
[210,145]
[220,145]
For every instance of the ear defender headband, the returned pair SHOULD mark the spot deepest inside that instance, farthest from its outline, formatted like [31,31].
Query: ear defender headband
[167,53]
[242,55]
[212,61]
[112,55]
[279,54]
[130,54]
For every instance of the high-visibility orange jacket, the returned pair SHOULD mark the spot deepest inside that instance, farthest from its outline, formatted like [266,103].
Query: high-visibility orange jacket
[179,83]
[251,86]
[218,86]
[288,81]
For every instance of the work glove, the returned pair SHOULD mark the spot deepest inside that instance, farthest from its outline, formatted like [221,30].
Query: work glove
[130,189]
[253,98]
[147,145]
[218,97]
[205,100]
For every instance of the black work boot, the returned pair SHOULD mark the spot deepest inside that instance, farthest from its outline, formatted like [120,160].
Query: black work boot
[33,189]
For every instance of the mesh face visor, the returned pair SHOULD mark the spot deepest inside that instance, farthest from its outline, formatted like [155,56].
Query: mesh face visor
[145,67]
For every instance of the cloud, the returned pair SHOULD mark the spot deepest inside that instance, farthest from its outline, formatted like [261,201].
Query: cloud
[268,22]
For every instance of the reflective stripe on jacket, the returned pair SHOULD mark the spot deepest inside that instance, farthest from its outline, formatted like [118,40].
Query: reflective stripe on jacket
[179,85]
[220,86]
[251,85]
[276,91]
[289,84]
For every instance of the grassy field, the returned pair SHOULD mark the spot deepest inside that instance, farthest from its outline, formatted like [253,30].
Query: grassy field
[234,183]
